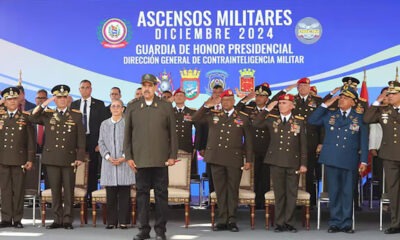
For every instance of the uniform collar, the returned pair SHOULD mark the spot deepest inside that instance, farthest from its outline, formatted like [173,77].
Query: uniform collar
[229,112]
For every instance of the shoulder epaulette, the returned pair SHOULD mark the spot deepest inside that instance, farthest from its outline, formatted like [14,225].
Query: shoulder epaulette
[362,99]
[49,110]
[316,96]
[273,115]
[76,110]
[215,111]
[250,107]
[194,109]
[133,100]
[25,112]
[244,113]
[299,117]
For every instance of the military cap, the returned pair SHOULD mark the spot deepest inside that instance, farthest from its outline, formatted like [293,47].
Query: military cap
[303,80]
[11,92]
[263,90]
[350,81]
[288,97]
[227,93]
[178,91]
[314,89]
[150,78]
[349,92]
[60,90]
[394,87]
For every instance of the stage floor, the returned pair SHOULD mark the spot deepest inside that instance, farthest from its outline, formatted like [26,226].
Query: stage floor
[367,227]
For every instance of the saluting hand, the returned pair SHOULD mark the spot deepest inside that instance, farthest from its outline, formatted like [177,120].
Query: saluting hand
[329,102]
[381,97]
[291,87]
[335,90]
[211,102]
[239,93]
[272,105]
[48,101]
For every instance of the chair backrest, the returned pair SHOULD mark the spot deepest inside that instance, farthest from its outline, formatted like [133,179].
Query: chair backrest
[323,179]
[247,180]
[32,177]
[179,174]
[81,175]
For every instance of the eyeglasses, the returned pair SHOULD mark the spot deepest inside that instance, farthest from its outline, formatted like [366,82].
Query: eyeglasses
[116,106]
[41,98]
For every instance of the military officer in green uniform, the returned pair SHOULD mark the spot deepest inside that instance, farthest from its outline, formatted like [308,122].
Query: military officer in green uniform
[64,149]
[16,155]
[287,156]
[229,140]
[389,152]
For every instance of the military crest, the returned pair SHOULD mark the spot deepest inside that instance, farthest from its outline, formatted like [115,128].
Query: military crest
[165,83]
[190,83]
[247,80]
[216,77]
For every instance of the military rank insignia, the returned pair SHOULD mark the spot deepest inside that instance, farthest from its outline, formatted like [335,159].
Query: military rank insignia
[215,119]
[238,121]
[295,128]
[359,109]
[385,118]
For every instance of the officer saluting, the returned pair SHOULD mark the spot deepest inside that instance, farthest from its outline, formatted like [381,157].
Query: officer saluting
[16,155]
[64,146]
[229,138]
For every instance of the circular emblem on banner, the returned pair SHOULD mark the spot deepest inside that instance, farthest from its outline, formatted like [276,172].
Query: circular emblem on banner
[308,30]
[114,31]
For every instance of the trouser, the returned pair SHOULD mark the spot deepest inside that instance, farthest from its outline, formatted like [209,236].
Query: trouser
[152,178]
[392,175]
[118,204]
[12,181]
[261,178]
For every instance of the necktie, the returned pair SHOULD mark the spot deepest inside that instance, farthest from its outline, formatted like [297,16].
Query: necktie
[344,115]
[11,115]
[61,113]
[396,109]
[179,110]
[303,100]
[227,114]
[284,120]
[85,115]
[40,135]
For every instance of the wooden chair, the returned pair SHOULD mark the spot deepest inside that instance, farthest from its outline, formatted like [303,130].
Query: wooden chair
[32,185]
[179,183]
[80,192]
[303,199]
[246,196]
[100,197]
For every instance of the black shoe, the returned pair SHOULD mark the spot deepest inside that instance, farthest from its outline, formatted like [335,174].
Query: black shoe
[68,226]
[54,226]
[233,227]
[333,229]
[161,236]
[142,236]
[110,226]
[123,226]
[279,228]
[220,227]
[4,224]
[18,225]
[290,228]
[348,229]
[392,230]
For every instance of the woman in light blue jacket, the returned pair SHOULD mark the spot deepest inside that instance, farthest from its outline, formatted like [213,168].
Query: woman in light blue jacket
[116,176]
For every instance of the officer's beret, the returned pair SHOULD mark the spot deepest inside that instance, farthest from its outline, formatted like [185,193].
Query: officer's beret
[60,90]
[263,90]
[350,92]
[288,97]
[10,92]
[178,91]
[227,93]
[304,80]
[394,87]
[314,89]
[150,78]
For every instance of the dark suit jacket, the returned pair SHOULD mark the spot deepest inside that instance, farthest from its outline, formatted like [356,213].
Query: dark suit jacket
[184,125]
[29,105]
[97,116]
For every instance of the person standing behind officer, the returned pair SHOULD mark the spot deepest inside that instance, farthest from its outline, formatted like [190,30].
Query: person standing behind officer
[261,140]
[229,139]
[287,156]
[150,143]
[115,94]
[389,152]
[345,136]
[16,155]
[64,148]
[93,114]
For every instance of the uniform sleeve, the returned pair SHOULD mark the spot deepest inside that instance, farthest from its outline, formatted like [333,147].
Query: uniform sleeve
[372,114]
[31,142]
[303,145]
[276,96]
[364,143]
[316,118]
[259,120]
[173,137]
[128,133]
[37,115]
[248,142]
[81,139]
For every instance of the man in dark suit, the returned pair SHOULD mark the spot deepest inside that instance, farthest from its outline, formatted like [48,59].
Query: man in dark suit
[24,104]
[261,139]
[64,148]
[345,136]
[287,156]
[93,114]
[184,128]
[16,155]
[229,138]
[389,152]
[41,97]
[115,94]
[150,145]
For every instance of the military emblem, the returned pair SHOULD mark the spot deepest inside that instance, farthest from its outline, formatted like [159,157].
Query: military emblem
[247,80]
[216,77]
[190,83]
[165,83]
[308,30]
[1,124]
[187,118]
[238,121]
[114,33]
[359,109]
[385,118]
[295,128]
[215,119]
